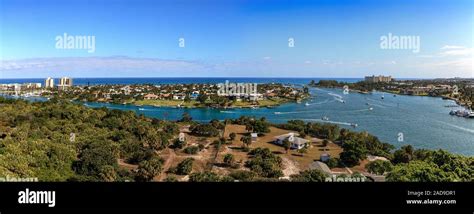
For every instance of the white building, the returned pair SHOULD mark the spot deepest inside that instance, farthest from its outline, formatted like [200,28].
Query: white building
[254,137]
[49,83]
[296,142]
[64,83]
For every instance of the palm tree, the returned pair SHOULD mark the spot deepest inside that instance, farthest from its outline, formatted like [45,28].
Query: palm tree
[303,150]
[287,145]
[248,127]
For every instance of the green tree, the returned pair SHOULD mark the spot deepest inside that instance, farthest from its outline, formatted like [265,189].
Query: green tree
[204,177]
[265,163]
[403,155]
[303,151]
[379,167]
[185,167]
[246,140]
[287,145]
[353,152]
[229,159]
[232,136]
[148,169]
[417,171]
[202,98]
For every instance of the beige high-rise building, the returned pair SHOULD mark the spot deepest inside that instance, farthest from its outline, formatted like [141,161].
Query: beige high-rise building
[49,82]
[64,82]
[379,78]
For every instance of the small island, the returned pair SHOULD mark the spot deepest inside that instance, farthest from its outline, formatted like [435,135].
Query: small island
[185,95]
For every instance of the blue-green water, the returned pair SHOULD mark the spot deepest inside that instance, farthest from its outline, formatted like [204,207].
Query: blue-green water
[424,122]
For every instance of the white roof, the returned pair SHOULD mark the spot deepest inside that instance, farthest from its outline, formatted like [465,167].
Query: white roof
[296,140]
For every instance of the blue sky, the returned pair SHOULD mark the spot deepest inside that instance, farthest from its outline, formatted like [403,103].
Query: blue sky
[236,38]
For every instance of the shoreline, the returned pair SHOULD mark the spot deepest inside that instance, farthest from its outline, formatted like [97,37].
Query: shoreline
[458,102]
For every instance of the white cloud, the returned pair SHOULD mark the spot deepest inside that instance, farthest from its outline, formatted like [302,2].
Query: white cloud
[453,50]
[452,47]
[97,66]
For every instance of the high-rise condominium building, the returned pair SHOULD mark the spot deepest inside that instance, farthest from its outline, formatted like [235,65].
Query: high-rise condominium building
[379,78]
[64,83]
[49,82]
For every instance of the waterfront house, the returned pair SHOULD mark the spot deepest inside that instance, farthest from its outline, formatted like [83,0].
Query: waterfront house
[179,96]
[151,97]
[165,96]
[296,142]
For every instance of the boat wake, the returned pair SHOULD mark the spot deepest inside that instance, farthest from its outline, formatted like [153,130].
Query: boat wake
[380,103]
[292,112]
[335,95]
[339,100]
[381,106]
[228,112]
[359,110]
[320,103]
[458,127]
[329,121]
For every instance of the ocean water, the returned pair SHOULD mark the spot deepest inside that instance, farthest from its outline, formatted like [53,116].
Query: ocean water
[177,80]
[423,122]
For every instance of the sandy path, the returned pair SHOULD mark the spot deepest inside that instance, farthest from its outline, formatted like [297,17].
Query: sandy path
[167,165]
[289,167]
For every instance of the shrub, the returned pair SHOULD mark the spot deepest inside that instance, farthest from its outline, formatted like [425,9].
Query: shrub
[229,159]
[379,167]
[185,167]
[204,177]
[191,150]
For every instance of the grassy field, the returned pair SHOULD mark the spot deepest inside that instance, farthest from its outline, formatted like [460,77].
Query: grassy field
[203,158]
[303,161]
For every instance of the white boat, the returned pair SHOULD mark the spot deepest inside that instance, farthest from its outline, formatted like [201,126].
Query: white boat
[370,109]
[306,104]
[141,109]
[354,125]
[462,113]
[470,114]
[325,118]
[277,112]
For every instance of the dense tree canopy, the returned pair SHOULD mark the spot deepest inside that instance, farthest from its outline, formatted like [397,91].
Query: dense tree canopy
[58,140]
